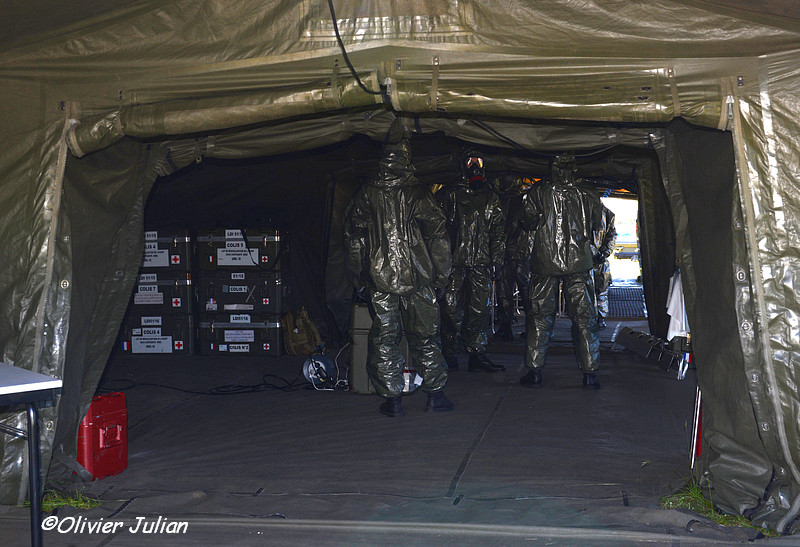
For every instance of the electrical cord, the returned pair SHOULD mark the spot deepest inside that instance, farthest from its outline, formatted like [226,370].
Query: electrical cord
[335,382]
[518,146]
[230,389]
[234,389]
[341,383]
[502,137]
[275,262]
[344,53]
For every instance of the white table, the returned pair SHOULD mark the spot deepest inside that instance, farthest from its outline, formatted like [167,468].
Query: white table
[21,386]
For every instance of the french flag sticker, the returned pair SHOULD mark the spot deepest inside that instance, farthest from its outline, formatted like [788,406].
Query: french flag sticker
[213,345]
[126,346]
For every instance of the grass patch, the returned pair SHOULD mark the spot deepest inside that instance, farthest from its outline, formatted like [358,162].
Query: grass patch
[691,497]
[53,499]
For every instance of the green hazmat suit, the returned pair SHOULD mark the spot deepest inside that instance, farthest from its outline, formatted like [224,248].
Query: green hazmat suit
[603,246]
[476,225]
[516,271]
[398,252]
[563,215]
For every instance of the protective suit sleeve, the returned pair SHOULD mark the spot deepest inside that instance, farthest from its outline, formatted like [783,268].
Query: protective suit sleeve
[497,232]
[530,212]
[432,224]
[610,236]
[355,239]
[444,199]
[596,212]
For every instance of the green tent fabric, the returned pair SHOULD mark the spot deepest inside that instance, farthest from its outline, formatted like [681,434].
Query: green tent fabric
[94,110]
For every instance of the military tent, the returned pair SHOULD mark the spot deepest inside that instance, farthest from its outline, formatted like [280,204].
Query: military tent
[101,98]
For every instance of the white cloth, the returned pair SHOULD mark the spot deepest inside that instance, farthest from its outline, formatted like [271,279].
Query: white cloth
[678,323]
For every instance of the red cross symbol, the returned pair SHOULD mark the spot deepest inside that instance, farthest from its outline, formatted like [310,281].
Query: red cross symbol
[176,302]
[264,258]
[266,301]
[266,347]
[178,344]
[176,259]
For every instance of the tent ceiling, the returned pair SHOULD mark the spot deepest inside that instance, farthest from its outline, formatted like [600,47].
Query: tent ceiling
[25,21]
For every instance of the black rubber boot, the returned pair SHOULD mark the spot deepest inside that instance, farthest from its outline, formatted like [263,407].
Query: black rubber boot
[438,402]
[452,362]
[392,407]
[532,379]
[590,380]
[482,363]
[504,333]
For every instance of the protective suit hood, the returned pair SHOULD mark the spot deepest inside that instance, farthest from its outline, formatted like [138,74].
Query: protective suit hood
[395,168]
[563,169]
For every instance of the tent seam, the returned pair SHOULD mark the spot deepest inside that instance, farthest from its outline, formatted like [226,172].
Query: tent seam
[771,151]
[58,186]
[758,280]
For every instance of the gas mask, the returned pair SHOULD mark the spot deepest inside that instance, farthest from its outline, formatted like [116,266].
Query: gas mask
[473,171]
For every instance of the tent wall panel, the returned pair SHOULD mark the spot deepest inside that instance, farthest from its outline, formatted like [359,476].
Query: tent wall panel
[104,200]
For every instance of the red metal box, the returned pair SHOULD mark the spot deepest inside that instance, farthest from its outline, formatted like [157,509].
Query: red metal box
[103,436]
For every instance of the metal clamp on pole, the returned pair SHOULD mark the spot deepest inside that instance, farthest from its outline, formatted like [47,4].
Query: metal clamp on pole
[433,98]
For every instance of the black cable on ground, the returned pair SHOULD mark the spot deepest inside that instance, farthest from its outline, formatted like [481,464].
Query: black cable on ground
[230,389]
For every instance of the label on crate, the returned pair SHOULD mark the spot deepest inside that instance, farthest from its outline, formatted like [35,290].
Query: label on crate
[151,344]
[236,289]
[148,278]
[151,236]
[238,307]
[148,298]
[147,288]
[155,257]
[239,348]
[237,335]
[151,321]
[237,257]
[238,276]
[240,318]
[151,331]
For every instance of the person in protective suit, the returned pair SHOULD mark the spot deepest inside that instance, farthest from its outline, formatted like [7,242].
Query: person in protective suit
[563,216]
[475,222]
[397,254]
[516,266]
[603,246]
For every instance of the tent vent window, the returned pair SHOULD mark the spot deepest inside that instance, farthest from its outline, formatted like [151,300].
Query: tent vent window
[377,20]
